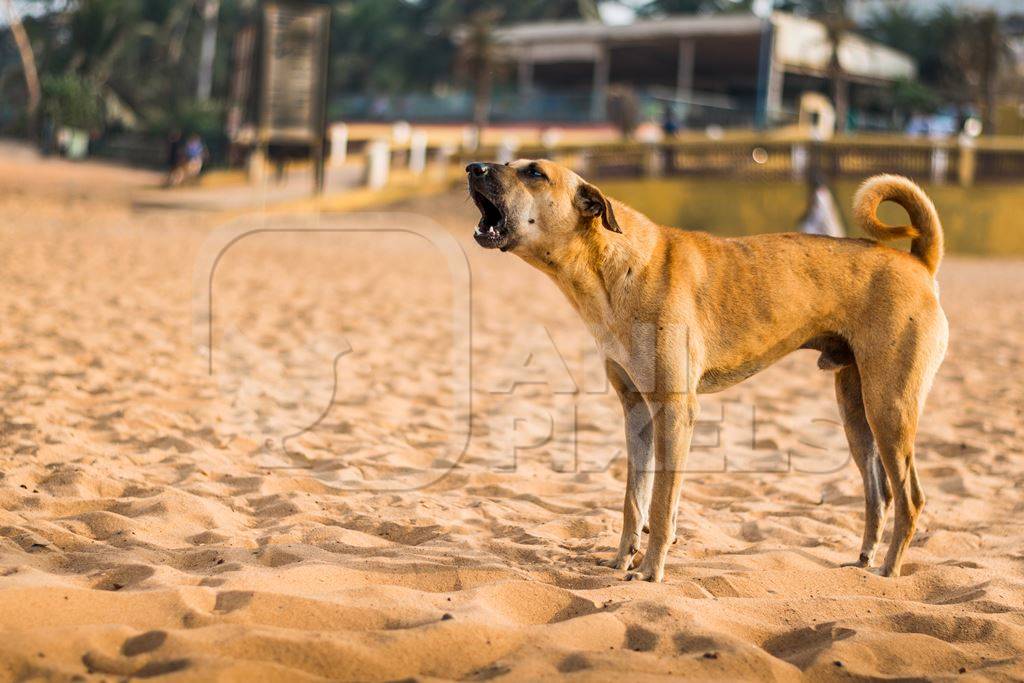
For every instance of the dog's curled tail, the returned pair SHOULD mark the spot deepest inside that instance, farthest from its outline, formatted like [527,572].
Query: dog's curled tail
[924,230]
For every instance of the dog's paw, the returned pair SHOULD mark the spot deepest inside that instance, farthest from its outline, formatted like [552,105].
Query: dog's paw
[616,562]
[862,562]
[645,573]
[619,562]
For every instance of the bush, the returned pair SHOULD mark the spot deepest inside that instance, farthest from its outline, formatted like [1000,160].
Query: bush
[70,100]
[911,96]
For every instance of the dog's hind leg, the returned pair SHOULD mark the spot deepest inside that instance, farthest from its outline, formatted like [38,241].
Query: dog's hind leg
[895,383]
[895,431]
[877,494]
[639,471]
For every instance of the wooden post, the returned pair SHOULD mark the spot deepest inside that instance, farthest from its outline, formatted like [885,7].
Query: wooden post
[524,76]
[684,71]
[599,92]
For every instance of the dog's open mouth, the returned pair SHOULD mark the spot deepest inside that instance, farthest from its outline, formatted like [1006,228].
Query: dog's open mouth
[492,231]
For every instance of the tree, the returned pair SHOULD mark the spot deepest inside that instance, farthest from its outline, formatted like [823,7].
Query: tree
[477,61]
[28,63]
[653,8]
[211,12]
[980,49]
[72,101]
[837,23]
[835,17]
[960,55]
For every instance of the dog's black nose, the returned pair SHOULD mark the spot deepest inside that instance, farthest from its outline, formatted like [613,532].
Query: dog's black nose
[477,169]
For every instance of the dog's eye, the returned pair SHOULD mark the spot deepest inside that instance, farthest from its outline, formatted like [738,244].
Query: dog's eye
[534,172]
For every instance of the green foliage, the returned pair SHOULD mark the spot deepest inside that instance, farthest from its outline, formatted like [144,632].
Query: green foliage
[959,54]
[71,101]
[926,38]
[191,116]
[914,96]
[654,8]
[146,53]
[391,46]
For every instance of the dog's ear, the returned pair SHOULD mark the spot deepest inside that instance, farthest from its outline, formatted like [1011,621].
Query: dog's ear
[591,202]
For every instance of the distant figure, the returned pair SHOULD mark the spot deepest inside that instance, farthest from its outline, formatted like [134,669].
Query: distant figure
[821,217]
[669,124]
[173,154]
[190,161]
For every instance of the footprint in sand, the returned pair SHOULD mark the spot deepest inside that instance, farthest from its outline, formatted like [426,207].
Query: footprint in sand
[124,576]
[143,643]
[229,601]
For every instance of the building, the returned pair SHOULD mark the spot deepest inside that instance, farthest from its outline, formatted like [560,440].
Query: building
[727,69]
[863,9]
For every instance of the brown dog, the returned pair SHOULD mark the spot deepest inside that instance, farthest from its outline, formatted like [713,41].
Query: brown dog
[680,313]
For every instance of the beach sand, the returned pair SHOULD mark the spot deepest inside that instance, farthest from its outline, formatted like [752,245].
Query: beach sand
[266,522]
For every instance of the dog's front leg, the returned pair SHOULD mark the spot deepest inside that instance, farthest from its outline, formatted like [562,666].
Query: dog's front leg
[674,419]
[640,469]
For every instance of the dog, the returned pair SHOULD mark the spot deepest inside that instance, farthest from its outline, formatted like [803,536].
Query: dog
[679,313]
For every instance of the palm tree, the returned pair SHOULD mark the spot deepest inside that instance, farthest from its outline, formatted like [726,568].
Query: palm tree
[477,60]
[836,25]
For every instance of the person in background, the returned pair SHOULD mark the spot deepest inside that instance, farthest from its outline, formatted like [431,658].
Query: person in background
[173,154]
[669,124]
[821,216]
[191,162]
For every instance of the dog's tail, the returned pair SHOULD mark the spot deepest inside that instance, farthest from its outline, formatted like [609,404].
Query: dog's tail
[924,230]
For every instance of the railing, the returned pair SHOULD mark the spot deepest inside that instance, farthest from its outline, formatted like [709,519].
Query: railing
[940,161]
[999,165]
[552,108]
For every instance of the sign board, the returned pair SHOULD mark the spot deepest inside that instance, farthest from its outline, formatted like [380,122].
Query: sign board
[295,37]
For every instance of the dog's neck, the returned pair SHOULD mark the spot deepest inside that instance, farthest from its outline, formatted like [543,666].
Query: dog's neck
[600,269]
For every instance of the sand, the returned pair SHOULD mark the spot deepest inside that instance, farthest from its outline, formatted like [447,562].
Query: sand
[265,522]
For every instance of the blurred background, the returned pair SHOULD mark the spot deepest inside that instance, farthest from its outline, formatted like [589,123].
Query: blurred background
[385,452]
[676,106]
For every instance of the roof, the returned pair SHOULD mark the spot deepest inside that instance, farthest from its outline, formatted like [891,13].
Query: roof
[801,44]
[671,27]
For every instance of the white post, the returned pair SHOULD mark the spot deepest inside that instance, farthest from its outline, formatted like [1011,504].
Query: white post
[507,149]
[444,159]
[940,164]
[773,98]
[339,144]
[798,160]
[417,152]
[470,138]
[378,164]
[400,132]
